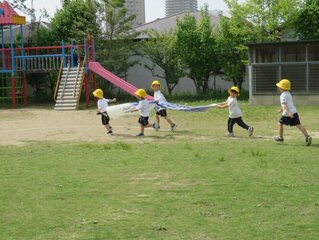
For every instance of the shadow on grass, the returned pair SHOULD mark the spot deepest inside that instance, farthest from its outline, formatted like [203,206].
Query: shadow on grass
[161,134]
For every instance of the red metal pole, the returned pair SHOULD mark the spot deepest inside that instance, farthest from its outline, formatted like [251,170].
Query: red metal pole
[24,90]
[94,84]
[87,96]
[13,90]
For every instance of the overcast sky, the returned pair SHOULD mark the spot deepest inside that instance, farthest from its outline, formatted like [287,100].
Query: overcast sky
[153,8]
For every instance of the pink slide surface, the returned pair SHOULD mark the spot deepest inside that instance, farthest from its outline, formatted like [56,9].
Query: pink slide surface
[97,68]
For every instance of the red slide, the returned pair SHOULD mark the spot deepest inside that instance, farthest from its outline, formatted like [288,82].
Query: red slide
[97,68]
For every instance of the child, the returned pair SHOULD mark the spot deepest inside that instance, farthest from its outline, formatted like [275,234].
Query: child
[234,113]
[143,106]
[289,115]
[102,105]
[159,97]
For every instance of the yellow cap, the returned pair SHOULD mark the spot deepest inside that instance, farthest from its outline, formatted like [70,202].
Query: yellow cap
[284,84]
[140,92]
[234,88]
[155,82]
[98,93]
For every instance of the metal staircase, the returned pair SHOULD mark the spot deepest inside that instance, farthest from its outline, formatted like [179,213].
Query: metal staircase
[69,88]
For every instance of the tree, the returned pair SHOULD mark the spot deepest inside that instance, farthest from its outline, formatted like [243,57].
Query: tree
[196,48]
[252,21]
[233,52]
[75,21]
[116,42]
[269,19]
[306,23]
[160,48]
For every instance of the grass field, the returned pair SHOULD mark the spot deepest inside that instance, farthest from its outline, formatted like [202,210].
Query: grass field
[191,184]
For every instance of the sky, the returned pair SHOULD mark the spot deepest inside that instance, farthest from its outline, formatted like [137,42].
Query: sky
[153,8]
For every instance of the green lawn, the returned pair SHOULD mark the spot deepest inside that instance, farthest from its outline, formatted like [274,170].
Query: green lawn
[192,184]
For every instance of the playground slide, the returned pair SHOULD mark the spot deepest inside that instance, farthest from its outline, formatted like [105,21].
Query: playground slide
[97,68]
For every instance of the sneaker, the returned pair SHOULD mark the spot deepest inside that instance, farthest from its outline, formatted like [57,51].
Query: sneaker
[308,140]
[173,127]
[278,139]
[109,132]
[250,131]
[230,135]
[140,135]
[155,126]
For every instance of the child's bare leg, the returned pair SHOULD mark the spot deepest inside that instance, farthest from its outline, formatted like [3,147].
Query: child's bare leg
[281,130]
[142,128]
[149,125]
[305,133]
[108,127]
[158,119]
[168,120]
[303,130]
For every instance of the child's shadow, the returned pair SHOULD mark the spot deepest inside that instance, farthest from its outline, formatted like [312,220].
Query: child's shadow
[161,135]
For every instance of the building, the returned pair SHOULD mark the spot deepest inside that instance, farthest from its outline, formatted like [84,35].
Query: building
[137,8]
[177,6]
[297,61]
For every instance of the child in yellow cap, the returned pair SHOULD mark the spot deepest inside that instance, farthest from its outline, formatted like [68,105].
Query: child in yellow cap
[161,112]
[144,108]
[289,115]
[102,105]
[235,114]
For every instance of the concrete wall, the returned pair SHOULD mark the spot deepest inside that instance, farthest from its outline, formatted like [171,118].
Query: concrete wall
[141,77]
[274,99]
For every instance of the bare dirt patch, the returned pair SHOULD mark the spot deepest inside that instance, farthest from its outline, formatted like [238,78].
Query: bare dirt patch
[24,126]
[21,126]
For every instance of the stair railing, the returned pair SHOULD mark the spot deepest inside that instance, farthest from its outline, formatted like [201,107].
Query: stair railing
[58,81]
[76,79]
[82,79]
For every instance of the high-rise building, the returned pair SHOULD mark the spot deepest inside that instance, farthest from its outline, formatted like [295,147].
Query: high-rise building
[176,6]
[136,7]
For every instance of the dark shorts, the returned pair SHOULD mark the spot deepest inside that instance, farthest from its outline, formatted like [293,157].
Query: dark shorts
[290,121]
[143,121]
[162,113]
[105,118]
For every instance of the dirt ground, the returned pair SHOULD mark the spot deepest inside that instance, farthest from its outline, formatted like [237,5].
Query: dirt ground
[22,126]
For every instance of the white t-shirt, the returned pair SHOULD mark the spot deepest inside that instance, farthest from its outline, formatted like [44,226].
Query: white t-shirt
[144,107]
[286,98]
[102,104]
[234,110]
[158,96]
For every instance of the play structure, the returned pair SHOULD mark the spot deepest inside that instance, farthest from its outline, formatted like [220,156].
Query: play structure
[75,65]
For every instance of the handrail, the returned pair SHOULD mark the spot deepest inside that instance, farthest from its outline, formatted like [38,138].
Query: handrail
[76,80]
[66,78]
[79,95]
[58,81]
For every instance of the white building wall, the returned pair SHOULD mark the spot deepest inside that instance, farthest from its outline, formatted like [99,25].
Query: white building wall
[141,77]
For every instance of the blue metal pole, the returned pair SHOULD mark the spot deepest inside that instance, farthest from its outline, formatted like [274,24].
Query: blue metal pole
[22,47]
[13,66]
[63,54]
[72,52]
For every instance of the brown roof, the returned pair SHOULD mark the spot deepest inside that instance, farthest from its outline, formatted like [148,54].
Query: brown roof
[169,23]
